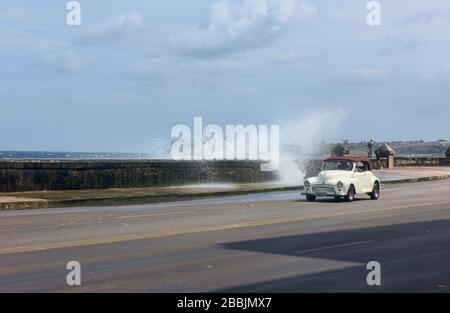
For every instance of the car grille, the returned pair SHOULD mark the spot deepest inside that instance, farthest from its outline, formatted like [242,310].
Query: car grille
[323,190]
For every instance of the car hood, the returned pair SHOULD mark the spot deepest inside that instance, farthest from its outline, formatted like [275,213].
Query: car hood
[327,177]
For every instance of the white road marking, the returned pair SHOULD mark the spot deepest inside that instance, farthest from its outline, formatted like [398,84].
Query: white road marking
[335,246]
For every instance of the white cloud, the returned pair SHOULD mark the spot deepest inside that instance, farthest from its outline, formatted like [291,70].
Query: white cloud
[289,56]
[369,73]
[443,73]
[169,68]
[361,76]
[236,27]
[402,43]
[25,39]
[114,29]
[63,62]
[426,17]
[307,9]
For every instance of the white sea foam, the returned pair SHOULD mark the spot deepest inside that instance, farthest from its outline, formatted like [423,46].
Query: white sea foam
[301,138]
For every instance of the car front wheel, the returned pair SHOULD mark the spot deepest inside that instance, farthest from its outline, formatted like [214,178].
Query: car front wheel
[375,194]
[350,194]
[311,198]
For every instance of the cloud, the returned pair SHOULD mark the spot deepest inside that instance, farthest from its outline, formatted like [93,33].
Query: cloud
[361,76]
[426,17]
[115,29]
[402,43]
[306,9]
[289,56]
[63,62]
[369,74]
[170,69]
[443,72]
[234,28]
[25,39]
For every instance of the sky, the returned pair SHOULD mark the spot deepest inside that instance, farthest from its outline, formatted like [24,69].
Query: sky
[134,69]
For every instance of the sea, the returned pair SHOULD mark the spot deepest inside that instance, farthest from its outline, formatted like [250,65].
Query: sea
[73,155]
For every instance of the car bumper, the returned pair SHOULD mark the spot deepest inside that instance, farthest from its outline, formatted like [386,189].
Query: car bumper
[324,191]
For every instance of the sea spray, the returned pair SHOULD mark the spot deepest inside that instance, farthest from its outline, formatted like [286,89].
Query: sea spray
[301,140]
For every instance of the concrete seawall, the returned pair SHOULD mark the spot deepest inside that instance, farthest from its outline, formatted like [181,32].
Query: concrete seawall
[421,161]
[40,175]
[36,175]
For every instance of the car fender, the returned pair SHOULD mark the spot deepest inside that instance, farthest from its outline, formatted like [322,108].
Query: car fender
[374,180]
[348,181]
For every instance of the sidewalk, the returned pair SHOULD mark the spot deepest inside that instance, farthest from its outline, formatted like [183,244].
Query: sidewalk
[412,174]
[98,197]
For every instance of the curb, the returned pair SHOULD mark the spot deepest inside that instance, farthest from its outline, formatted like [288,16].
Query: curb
[415,180]
[143,199]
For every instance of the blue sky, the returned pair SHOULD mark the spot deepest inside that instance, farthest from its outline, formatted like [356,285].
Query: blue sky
[134,69]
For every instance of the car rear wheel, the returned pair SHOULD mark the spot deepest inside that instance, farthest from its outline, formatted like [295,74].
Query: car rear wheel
[311,198]
[350,194]
[375,194]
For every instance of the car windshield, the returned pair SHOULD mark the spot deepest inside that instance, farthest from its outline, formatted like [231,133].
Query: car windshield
[336,165]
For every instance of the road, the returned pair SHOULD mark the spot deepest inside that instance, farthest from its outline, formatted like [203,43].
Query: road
[274,242]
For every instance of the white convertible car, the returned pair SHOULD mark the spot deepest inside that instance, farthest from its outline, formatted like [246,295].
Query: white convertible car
[343,178]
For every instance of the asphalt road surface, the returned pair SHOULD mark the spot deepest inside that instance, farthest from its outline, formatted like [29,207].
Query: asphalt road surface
[275,242]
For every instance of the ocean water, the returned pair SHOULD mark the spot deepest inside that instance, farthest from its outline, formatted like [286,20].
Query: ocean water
[71,155]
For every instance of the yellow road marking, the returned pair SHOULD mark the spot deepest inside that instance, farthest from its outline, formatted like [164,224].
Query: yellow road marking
[202,229]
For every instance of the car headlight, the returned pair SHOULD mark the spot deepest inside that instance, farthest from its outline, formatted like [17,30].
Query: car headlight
[340,185]
[307,183]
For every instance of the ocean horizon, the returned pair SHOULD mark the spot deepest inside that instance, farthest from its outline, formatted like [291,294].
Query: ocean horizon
[72,155]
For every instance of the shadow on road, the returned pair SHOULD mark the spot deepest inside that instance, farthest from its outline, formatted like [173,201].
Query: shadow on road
[332,200]
[414,257]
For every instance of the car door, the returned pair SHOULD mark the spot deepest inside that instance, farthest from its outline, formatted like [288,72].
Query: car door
[362,175]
